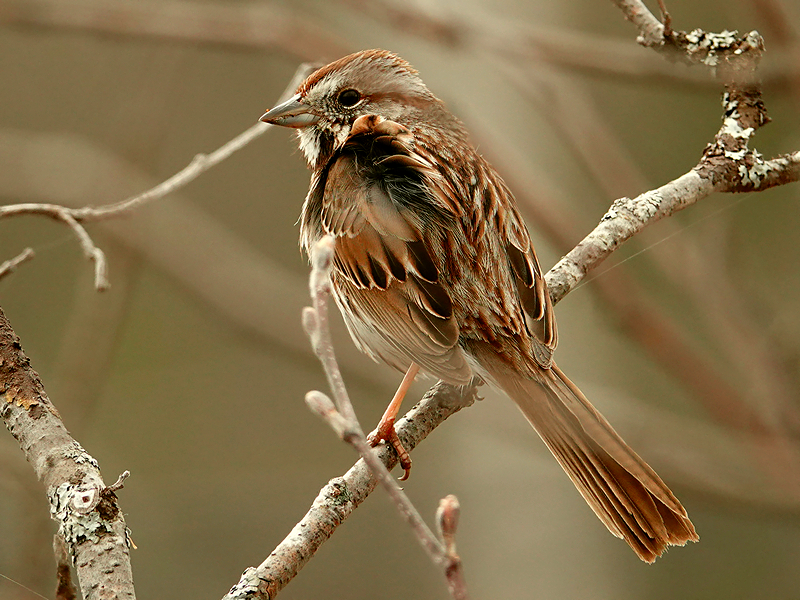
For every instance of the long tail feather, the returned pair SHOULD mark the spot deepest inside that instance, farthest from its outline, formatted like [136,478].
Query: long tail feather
[623,491]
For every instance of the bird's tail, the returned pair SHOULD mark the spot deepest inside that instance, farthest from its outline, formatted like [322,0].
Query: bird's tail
[623,491]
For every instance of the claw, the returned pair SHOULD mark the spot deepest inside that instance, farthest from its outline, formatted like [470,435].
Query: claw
[385,432]
[403,456]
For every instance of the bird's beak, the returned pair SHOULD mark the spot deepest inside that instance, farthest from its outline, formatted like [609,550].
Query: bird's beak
[292,113]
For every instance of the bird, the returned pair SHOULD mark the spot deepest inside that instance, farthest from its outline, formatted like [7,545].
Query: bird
[434,271]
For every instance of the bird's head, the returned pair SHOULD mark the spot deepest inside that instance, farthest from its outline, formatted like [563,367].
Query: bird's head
[326,104]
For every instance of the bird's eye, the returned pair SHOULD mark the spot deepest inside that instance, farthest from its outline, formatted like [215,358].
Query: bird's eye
[349,97]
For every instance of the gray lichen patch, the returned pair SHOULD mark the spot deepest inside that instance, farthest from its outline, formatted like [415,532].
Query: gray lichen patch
[72,506]
[76,453]
[754,170]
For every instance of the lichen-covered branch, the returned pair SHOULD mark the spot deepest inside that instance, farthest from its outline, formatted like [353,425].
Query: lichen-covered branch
[627,216]
[622,221]
[88,516]
[728,164]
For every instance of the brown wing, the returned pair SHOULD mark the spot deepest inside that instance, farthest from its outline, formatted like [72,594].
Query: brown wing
[533,294]
[517,301]
[376,202]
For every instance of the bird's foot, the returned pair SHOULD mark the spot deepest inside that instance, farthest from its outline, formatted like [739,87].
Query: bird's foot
[386,432]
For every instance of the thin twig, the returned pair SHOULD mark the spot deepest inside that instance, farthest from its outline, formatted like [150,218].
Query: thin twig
[315,321]
[666,19]
[447,523]
[342,417]
[198,165]
[11,264]
[90,250]
[70,219]
[651,30]
[119,483]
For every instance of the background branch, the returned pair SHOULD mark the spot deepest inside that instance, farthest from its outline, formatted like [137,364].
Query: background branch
[264,26]
[12,263]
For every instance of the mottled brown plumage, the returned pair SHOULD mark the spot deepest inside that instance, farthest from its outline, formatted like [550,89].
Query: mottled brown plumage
[434,266]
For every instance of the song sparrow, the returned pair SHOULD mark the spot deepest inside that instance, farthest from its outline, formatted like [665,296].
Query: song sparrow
[434,268]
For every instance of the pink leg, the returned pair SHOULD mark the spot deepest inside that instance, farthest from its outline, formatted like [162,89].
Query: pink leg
[385,430]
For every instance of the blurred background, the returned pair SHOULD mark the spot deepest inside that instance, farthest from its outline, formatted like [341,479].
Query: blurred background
[190,372]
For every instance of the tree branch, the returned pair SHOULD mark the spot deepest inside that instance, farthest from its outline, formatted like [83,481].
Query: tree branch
[727,164]
[88,516]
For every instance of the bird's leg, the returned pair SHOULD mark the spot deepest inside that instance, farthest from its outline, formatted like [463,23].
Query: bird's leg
[385,429]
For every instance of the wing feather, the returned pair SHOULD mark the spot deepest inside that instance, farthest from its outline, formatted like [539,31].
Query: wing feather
[531,287]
